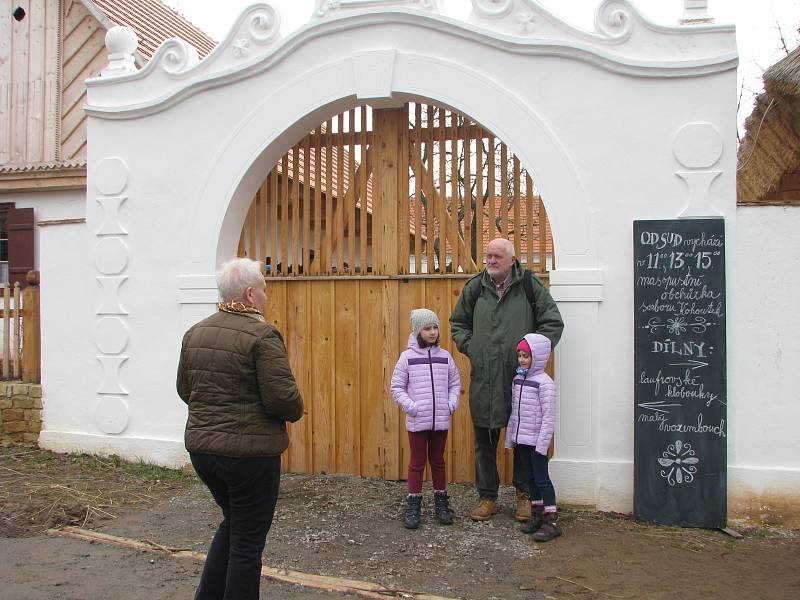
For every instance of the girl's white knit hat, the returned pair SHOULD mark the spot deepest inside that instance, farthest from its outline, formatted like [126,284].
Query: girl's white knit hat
[421,318]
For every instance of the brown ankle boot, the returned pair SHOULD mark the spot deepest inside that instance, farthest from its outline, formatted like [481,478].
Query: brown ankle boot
[484,511]
[533,524]
[551,528]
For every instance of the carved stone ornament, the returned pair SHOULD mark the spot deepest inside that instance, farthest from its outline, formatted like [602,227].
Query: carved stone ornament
[176,56]
[121,43]
[323,7]
[613,20]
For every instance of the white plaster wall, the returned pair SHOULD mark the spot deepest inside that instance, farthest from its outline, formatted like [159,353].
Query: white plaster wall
[763,355]
[63,263]
[598,141]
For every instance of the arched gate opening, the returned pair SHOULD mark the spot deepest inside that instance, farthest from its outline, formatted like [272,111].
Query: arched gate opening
[372,213]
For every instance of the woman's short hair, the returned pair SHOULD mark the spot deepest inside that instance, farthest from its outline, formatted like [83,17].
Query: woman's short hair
[236,276]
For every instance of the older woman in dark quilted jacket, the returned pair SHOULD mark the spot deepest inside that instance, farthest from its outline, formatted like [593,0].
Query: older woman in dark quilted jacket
[234,375]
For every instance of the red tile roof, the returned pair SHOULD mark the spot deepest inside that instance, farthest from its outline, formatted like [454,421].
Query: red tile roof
[154,22]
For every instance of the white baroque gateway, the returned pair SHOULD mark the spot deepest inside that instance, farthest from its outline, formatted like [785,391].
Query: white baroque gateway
[632,120]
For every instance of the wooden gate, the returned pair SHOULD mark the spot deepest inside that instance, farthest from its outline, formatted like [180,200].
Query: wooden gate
[361,221]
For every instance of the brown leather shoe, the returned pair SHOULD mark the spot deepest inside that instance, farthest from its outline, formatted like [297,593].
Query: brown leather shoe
[523,506]
[484,510]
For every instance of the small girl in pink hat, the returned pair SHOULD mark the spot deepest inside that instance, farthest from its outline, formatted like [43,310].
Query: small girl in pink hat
[531,426]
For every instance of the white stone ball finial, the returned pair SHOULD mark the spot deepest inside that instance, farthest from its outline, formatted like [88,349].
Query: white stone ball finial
[121,43]
[695,12]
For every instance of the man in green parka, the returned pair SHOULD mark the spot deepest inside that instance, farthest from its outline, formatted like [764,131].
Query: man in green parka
[497,307]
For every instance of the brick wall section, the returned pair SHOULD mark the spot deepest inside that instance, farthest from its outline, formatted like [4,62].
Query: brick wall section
[20,412]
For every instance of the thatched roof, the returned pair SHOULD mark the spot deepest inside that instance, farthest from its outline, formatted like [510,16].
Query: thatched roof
[769,155]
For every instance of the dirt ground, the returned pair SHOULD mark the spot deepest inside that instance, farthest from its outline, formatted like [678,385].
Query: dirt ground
[350,527]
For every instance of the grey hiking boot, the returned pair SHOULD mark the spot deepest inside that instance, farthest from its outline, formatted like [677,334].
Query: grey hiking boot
[442,505]
[551,528]
[413,514]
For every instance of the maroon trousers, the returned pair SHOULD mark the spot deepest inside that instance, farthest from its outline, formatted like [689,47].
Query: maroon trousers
[426,445]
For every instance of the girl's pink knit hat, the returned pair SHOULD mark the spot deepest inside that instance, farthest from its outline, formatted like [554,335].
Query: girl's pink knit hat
[524,346]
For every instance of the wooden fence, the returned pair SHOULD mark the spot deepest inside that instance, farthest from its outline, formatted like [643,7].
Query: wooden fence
[374,213]
[21,331]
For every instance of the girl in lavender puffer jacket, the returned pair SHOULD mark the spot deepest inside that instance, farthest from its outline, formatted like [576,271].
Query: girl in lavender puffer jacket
[426,385]
[531,426]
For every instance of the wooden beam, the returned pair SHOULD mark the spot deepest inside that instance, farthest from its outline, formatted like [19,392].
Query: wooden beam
[363,589]
[354,192]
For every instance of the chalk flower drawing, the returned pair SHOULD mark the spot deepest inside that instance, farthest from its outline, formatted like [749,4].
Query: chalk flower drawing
[677,325]
[679,463]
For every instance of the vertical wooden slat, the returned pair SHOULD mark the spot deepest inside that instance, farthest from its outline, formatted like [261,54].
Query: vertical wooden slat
[296,336]
[340,188]
[479,204]
[461,430]
[370,382]
[35,122]
[363,259]
[275,315]
[262,222]
[441,210]
[351,179]
[325,265]
[251,230]
[469,263]
[454,195]
[517,221]
[6,85]
[402,218]
[306,205]
[504,189]
[240,251]
[6,330]
[385,189]
[417,187]
[16,338]
[31,330]
[20,62]
[319,250]
[390,451]
[348,341]
[351,208]
[323,358]
[51,92]
[273,205]
[529,234]
[491,156]
[284,199]
[430,209]
[295,215]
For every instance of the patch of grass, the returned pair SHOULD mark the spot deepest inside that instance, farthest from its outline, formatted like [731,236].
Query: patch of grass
[41,489]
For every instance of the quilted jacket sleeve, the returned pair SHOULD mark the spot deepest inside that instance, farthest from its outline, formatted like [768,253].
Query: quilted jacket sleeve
[547,400]
[454,385]
[461,318]
[277,386]
[512,419]
[183,373]
[400,385]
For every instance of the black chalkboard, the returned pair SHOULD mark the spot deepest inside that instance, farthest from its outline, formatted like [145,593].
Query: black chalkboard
[680,395]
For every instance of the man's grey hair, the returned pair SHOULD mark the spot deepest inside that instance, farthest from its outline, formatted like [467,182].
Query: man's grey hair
[236,276]
[507,245]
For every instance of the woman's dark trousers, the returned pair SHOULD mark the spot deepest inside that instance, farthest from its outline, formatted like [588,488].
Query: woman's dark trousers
[246,489]
[487,479]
